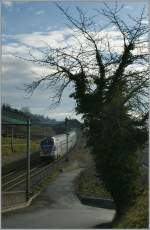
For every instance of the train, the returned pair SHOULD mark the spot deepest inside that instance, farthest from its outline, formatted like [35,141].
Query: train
[57,146]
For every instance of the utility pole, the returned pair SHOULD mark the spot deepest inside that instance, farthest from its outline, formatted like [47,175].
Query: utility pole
[28,161]
[44,131]
[12,138]
[66,128]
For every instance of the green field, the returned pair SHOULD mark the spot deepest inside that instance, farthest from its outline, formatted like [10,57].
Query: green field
[19,146]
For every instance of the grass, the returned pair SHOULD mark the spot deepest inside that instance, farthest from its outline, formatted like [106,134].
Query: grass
[50,178]
[87,184]
[9,155]
[136,216]
[19,146]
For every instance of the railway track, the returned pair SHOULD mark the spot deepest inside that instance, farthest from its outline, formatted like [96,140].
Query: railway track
[19,168]
[16,180]
[13,179]
[20,164]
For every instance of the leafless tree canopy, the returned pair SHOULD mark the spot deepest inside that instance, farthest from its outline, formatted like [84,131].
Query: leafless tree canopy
[95,62]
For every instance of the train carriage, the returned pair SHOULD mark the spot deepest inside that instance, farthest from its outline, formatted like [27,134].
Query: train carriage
[57,146]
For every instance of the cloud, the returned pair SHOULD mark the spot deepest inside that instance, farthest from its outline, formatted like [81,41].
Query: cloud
[145,22]
[63,115]
[54,27]
[15,48]
[20,44]
[59,38]
[40,12]
[7,3]
[128,7]
[17,72]
[56,38]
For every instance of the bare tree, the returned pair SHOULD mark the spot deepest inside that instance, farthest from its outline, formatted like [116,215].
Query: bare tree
[96,63]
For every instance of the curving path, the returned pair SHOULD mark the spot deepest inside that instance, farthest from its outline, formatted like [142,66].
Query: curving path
[58,207]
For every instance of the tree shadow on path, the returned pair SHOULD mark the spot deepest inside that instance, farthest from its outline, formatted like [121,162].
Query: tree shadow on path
[104,226]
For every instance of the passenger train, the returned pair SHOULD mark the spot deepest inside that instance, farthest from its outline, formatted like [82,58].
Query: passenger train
[57,146]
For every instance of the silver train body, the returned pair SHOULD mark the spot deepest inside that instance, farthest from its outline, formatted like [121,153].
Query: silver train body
[57,146]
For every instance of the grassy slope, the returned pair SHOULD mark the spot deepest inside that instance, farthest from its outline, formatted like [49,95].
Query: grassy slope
[87,184]
[137,216]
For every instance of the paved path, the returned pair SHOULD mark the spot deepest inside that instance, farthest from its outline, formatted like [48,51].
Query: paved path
[58,207]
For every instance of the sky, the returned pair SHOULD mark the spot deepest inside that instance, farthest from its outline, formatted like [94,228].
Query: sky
[30,25]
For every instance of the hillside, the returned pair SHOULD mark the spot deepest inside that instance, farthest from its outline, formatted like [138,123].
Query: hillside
[40,125]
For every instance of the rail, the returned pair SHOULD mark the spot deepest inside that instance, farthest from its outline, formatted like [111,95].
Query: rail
[16,180]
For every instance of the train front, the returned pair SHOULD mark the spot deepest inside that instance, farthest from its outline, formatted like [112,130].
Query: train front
[47,147]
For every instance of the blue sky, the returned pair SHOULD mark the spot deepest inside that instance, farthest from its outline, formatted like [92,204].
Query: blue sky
[25,25]
[26,17]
